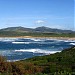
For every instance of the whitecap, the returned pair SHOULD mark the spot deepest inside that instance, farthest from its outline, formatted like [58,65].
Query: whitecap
[13,60]
[21,42]
[8,39]
[69,40]
[72,43]
[37,51]
[36,39]
[26,50]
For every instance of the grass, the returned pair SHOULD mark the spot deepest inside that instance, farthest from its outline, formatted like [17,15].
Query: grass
[14,34]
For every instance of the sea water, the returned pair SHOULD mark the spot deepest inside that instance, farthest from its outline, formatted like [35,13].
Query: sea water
[22,48]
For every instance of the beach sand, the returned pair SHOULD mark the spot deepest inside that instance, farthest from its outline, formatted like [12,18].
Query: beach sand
[60,38]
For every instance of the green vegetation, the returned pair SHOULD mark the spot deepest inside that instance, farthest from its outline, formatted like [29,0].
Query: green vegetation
[62,63]
[34,34]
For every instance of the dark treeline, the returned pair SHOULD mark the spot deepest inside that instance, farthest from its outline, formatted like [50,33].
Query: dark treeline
[62,63]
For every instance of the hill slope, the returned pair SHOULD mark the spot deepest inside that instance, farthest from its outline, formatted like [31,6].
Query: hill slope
[16,29]
[38,29]
[37,32]
[51,30]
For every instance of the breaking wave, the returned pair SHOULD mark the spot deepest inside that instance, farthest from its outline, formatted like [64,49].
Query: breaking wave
[8,39]
[37,51]
[19,48]
[21,42]
[72,43]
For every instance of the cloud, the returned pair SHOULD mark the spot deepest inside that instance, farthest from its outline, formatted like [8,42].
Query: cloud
[39,21]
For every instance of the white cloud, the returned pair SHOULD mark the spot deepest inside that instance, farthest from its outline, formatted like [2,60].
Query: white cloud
[39,21]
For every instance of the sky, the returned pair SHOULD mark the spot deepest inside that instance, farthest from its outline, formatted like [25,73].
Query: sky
[35,13]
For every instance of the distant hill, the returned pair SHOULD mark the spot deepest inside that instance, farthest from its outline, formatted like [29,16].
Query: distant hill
[47,29]
[35,32]
[20,29]
[38,29]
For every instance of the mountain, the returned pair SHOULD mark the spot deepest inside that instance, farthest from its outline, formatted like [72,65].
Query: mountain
[47,29]
[20,29]
[38,29]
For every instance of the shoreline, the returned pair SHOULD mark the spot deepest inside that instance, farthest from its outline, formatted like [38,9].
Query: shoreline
[55,38]
[58,38]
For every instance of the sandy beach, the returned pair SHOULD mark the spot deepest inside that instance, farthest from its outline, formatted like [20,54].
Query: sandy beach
[60,38]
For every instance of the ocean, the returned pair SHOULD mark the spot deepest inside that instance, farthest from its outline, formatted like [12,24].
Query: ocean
[15,49]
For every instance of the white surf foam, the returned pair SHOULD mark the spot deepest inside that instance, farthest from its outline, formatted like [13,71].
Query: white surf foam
[29,42]
[69,40]
[72,43]
[37,51]
[13,60]
[38,39]
[21,42]
[8,39]
[26,50]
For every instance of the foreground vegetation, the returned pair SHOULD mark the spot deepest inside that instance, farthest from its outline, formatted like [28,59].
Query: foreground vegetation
[62,63]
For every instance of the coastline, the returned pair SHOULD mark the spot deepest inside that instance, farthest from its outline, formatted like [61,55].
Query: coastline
[55,38]
[58,38]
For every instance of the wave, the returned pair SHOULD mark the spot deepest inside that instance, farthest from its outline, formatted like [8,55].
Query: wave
[6,52]
[39,39]
[45,39]
[13,60]
[34,39]
[8,39]
[34,42]
[69,40]
[30,42]
[21,42]
[37,51]
[72,43]
[9,53]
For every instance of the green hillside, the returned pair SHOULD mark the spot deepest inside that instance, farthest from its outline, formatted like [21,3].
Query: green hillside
[36,32]
[62,63]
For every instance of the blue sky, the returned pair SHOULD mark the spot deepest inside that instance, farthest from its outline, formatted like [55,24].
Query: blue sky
[34,13]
